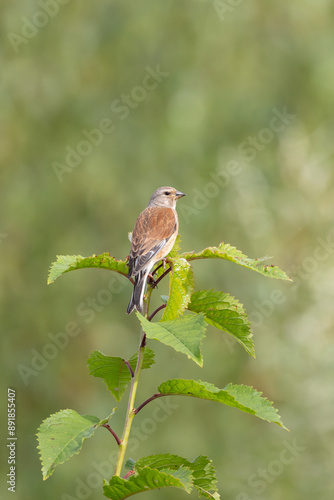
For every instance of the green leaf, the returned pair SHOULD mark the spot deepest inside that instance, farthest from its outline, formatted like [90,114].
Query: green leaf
[164,298]
[227,252]
[252,399]
[148,360]
[66,263]
[184,334]
[207,494]
[147,479]
[181,286]
[114,371]
[61,436]
[204,476]
[162,461]
[157,471]
[243,397]
[129,464]
[224,312]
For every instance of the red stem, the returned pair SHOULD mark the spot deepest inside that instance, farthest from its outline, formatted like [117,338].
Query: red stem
[156,269]
[130,473]
[162,276]
[130,369]
[152,398]
[156,311]
[107,426]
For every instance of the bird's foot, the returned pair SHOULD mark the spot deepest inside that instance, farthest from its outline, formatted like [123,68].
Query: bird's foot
[163,265]
[150,279]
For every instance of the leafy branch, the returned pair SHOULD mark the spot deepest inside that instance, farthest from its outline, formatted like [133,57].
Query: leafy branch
[182,327]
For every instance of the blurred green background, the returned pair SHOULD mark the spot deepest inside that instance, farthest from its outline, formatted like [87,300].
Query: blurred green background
[226,70]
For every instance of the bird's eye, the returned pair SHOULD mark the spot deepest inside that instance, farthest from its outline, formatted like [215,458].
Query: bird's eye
[167,193]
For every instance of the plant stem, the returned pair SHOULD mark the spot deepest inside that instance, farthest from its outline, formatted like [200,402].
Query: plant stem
[152,398]
[130,473]
[133,390]
[130,410]
[132,373]
[147,299]
[162,276]
[107,426]
[156,311]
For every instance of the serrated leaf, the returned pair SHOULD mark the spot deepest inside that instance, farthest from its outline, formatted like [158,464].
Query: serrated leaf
[61,436]
[227,252]
[184,334]
[204,476]
[253,399]
[181,286]
[243,397]
[66,263]
[162,461]
[204,473]
[226,313]
[207,494]
[148,360]
[147,479]
[114,371]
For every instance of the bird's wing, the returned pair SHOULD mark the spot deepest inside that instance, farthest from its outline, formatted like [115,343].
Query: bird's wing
[154,227]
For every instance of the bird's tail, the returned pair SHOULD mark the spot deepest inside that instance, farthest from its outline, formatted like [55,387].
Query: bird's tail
[136,300]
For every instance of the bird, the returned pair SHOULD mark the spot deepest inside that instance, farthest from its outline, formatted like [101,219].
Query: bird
[152,239]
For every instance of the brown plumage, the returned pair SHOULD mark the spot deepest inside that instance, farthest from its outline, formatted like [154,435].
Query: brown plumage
[153,238]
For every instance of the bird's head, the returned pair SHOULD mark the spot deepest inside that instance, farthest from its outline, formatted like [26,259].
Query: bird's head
[165,197]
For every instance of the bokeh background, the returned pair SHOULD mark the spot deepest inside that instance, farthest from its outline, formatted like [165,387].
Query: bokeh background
[223,71]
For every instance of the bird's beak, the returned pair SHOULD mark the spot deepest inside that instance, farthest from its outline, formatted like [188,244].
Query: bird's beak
[178,194]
